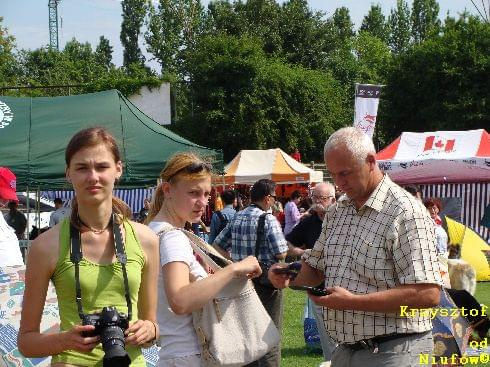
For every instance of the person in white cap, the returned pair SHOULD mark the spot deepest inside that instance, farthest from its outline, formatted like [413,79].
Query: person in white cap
[10,254]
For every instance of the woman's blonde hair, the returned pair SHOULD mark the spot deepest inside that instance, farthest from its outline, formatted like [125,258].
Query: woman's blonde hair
[182,166]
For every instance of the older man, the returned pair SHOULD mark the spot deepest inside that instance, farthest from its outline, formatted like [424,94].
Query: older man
[307,231]
[377,256]
[303,236]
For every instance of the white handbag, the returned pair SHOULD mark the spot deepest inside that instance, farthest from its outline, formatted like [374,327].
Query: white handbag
[233,328]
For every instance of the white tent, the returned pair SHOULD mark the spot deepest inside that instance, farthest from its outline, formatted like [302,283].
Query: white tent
[438,157]
[251,165]
[446,164]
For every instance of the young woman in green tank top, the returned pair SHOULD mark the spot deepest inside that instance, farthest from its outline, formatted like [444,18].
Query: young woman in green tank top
[93,165]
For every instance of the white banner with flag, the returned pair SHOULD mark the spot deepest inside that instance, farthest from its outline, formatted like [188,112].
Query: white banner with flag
[366,107]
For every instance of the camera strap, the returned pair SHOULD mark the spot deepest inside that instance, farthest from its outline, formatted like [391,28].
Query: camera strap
[76,256]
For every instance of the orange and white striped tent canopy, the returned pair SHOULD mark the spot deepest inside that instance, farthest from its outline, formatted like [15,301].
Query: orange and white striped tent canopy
[274,164]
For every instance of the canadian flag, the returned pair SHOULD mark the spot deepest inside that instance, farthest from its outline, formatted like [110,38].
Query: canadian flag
[436,143]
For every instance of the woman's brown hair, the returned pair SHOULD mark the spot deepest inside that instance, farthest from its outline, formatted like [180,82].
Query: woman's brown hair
[181,166]
[91,137]
[430,202]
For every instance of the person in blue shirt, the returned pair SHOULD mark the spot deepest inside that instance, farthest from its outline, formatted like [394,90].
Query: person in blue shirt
[221,218]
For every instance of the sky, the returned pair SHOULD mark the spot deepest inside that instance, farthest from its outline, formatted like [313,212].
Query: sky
[87,20]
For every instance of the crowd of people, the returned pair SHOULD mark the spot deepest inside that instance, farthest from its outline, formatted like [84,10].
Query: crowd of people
[372,245]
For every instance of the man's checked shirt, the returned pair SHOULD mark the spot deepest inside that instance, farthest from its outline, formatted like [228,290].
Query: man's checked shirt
[388,242]
[240,236]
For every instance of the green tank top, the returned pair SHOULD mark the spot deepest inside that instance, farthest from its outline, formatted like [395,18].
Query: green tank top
[102,285]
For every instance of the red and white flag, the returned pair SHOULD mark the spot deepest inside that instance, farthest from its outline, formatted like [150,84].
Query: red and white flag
[366,107]
[433,142]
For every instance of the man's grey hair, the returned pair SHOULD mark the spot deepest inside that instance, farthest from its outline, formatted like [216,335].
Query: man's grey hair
[328,185]
[354,140]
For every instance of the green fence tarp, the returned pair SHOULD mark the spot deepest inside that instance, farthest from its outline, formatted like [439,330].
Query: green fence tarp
[34,133]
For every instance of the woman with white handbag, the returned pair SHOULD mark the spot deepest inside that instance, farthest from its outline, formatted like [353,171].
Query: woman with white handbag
[184,285]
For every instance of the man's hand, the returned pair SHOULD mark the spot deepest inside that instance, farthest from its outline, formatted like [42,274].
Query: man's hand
[295,251]
[279,281]
[338,299]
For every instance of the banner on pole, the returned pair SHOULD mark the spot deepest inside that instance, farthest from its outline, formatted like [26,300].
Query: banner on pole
[366,107]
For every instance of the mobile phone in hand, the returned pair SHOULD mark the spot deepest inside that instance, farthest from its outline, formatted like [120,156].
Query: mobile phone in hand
[292,270]
[281,271]
[313,290]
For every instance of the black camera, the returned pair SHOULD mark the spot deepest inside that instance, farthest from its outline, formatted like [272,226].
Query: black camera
[110,325]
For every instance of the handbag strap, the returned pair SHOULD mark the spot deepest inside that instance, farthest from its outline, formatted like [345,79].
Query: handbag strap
[260,234]
[202,248]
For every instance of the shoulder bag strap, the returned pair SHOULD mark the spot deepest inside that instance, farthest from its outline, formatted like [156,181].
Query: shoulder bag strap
[123,259]
[208,253]
[220,216]
[260,234]
[75,257]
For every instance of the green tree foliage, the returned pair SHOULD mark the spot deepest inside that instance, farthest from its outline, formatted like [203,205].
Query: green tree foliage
[343,25]
[425,21]
[441,84]
[242,99]
[104,52]
[8,69]
[373,58]
[173,27]
[304,35]
[225,17]
[339,56]
[400,30]
[375,23]
[77,65]
[133,13]
[263,19]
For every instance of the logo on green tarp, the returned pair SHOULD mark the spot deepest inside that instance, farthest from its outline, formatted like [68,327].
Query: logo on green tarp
[6,115]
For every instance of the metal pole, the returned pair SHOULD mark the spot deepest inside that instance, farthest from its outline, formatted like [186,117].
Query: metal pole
[38,209]
[28,224]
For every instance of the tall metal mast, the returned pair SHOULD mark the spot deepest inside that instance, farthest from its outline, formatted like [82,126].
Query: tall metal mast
[53,24]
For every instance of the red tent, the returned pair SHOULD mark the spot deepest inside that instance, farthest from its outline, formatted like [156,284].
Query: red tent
[438,157]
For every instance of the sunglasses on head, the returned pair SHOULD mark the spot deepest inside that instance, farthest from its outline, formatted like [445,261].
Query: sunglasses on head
[194,167]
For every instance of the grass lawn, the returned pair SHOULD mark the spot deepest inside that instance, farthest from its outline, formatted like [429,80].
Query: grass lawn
[294,352]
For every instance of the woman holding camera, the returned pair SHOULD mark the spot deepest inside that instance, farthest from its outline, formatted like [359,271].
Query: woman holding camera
[93,165]
[185,286]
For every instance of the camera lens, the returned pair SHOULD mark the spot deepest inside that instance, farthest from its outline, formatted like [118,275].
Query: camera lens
[112,338]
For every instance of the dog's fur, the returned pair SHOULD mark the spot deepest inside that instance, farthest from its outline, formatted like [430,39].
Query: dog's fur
[462,275]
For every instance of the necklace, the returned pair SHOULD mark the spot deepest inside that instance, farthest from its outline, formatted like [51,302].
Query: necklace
[94,230]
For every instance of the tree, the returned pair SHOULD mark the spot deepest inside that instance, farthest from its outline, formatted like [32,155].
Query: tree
[256,18]
[373,58]
[304,35]
[133,13]
[338,55]
[224,17]
[343,24]
[172,28]
[425,21]
[375,23]
[8,61]
[441,84]
[263,21]
[104,52]
[78,64]
[244,99]
[399,23]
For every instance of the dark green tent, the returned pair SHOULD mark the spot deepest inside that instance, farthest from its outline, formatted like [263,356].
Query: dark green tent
[34,133]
